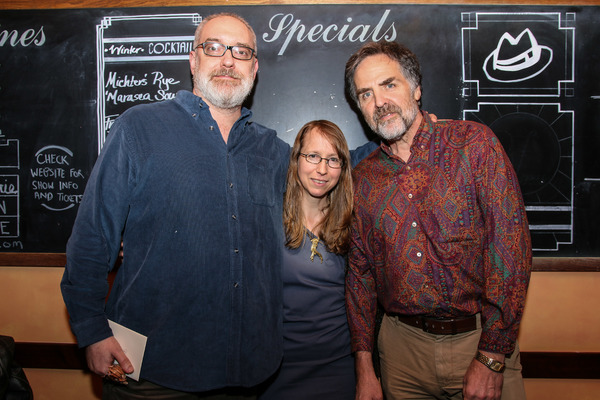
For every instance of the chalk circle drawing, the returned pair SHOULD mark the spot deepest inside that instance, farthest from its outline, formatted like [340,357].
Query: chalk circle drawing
[49,177]
[533,148]
[517,59]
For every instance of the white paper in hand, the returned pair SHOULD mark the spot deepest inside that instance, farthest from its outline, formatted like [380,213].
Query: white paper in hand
[133,345]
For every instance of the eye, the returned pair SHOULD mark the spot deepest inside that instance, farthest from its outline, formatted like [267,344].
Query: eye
[213,47]
[242,51]
[364,96]
[314,158]
[390,85]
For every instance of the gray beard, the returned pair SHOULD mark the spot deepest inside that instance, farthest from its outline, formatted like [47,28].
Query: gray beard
[393,130]
[223,95]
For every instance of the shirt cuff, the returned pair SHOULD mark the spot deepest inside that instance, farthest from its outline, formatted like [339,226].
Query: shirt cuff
[91,330]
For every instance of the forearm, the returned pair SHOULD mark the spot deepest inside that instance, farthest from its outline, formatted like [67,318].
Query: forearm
[364,365]
[367,383]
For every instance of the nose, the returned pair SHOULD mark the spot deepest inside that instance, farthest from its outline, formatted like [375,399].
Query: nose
[227,59]
[322,167]
[379,99]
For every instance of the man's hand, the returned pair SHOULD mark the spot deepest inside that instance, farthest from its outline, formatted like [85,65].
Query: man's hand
[100,356]
[481,383]
[367,384]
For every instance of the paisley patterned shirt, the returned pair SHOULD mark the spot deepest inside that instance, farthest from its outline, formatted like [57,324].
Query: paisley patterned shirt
[442,235]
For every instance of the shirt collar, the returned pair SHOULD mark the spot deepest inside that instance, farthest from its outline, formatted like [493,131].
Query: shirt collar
[196,105]
[422,137]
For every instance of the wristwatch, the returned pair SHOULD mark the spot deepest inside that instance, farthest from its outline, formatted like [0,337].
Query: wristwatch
[492,364]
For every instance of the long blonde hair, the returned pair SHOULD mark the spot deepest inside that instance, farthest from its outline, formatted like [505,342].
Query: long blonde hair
[334,230]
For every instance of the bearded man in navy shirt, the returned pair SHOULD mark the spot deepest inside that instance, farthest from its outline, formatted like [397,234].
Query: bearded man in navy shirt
[194,191]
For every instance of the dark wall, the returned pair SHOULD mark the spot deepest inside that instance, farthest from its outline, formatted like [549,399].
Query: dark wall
[65,75]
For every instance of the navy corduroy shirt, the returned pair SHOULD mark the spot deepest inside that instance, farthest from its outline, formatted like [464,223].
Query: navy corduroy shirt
[200,221]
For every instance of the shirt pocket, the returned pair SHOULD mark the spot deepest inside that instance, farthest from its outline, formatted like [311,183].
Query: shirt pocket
[261,180]
[449,229]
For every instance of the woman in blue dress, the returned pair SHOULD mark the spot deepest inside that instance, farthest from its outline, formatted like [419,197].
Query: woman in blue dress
[317,360]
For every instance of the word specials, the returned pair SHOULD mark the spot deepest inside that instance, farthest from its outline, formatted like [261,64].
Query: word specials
[286,26]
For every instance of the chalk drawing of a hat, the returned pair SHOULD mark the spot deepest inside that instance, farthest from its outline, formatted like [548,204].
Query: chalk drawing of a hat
[516,60]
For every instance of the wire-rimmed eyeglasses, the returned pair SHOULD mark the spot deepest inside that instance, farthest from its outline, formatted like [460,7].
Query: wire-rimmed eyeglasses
[332,162]
[215,49]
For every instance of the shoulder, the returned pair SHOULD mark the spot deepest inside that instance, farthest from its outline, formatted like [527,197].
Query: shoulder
[461,133]
[261,130]
[369,162]
[461,129]
[264,136]
[183,102]
[149,114]
[368,170]
[361,152]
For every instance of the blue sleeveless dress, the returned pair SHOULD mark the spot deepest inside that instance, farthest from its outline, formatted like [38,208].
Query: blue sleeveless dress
[317,360]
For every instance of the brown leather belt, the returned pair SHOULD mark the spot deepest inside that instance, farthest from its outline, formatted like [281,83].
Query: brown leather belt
[440,326]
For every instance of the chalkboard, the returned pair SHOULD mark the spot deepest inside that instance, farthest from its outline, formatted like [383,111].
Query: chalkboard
[529,72]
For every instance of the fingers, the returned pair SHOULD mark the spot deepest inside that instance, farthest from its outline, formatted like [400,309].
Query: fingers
[101,358]
[124,362]
[116,374]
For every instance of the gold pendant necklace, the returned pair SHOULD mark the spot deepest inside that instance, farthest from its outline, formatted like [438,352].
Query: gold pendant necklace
[313,250]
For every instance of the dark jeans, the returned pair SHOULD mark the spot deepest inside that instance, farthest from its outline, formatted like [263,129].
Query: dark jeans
[147,390]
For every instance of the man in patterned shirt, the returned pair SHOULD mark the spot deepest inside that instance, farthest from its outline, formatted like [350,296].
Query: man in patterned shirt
[440,239]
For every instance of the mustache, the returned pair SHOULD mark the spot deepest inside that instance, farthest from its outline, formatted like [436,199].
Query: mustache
[386,109]
[225,72]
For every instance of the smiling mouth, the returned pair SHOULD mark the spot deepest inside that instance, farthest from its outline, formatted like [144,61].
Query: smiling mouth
[225,74]
[225,78]
[385,118]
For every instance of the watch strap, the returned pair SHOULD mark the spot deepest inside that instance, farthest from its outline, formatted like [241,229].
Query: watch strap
[492,364]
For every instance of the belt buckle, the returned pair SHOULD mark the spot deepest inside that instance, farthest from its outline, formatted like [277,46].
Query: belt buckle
[436,327]
[425,326]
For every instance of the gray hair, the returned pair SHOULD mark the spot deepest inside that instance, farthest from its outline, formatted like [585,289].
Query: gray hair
[405,58]
[225,14]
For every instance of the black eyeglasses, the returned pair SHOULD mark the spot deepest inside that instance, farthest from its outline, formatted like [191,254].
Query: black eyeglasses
[332,162]
[214,49]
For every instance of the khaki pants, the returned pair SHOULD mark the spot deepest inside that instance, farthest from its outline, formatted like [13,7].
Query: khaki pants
[420,365]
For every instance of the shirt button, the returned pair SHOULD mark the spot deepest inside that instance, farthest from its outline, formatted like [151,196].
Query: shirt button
[194,115]
[410,195]
[231,185]
[236,251]
[212,128]
[419,254]
[235,285]
[233,216]
[414,224]
[408,167]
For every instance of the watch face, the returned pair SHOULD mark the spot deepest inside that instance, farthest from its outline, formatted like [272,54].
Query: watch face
[492,364]
[497,366]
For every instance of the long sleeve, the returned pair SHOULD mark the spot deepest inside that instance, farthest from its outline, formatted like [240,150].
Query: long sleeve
[361,296]
[442,235]
[200,222]
[507,252]
[95,241]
